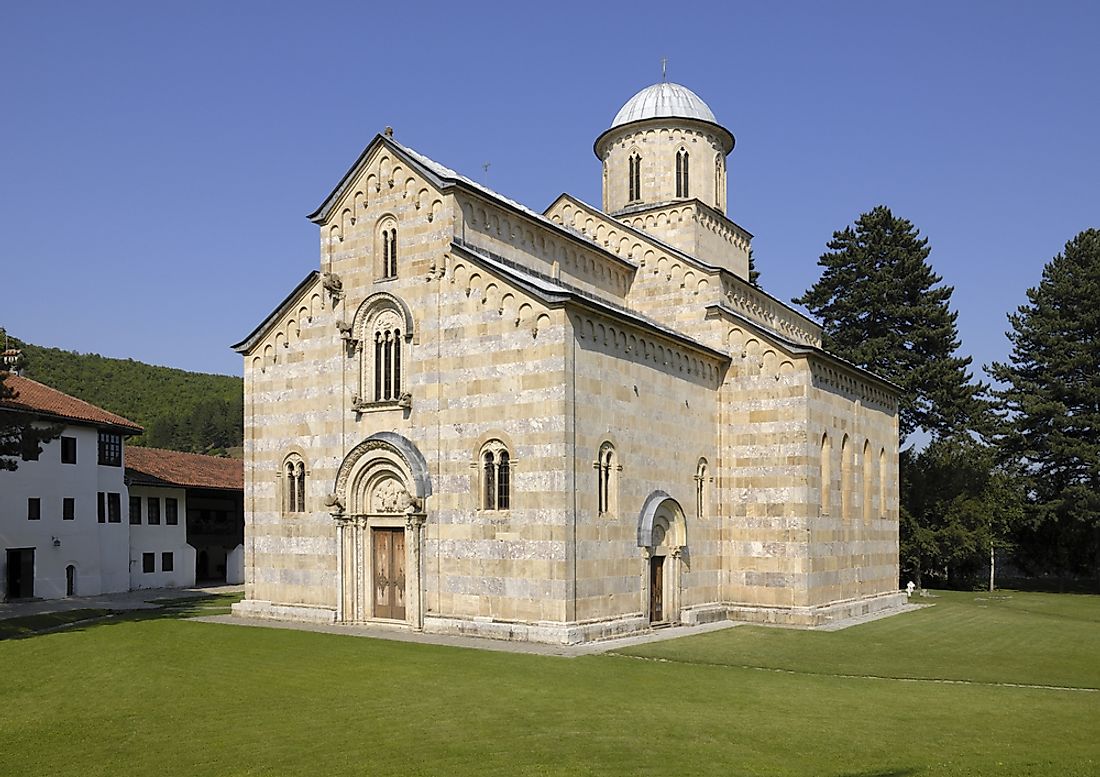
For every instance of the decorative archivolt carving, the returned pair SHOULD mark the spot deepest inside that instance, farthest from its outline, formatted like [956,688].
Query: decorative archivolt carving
[378,305]
[389,495]
[392,447]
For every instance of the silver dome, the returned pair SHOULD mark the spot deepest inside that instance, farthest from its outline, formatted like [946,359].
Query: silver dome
[664,99]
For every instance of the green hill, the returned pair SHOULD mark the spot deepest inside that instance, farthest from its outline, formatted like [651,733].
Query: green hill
[180,410]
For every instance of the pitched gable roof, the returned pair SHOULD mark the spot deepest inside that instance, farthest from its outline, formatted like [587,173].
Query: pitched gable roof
[443,178]
[40,399]
[158,467]
[247,344]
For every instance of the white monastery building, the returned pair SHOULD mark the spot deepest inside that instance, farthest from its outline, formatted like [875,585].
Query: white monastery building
[86,515]
[561,426]
[62,524]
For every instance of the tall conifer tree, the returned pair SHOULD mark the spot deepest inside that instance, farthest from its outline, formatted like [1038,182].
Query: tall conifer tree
[1051,404]
[882,308]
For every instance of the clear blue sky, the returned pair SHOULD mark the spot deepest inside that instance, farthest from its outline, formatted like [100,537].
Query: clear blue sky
[157,160]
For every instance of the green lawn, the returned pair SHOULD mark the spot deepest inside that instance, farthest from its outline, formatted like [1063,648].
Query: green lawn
[151,693]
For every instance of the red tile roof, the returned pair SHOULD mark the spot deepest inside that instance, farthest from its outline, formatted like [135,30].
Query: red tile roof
[34,397]
[155,466]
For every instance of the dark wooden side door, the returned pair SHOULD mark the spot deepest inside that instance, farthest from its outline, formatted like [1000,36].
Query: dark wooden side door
[389,573]
[20,573]
[656,588]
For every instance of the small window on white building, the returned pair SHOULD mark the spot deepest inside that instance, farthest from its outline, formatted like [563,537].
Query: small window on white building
[148,563]
[34,508]
[171,512]
[167,563]
[68,450]
[68,508]
[154,511]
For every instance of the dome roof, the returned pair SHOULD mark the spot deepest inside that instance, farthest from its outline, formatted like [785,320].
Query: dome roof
[664,99]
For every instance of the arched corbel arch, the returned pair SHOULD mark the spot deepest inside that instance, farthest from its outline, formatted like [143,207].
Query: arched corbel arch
[657,506]
[379,448]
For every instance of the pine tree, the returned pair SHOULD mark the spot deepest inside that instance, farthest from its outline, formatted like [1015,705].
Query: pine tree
[956,504]
[754,274]
[881,308]
[1051,405]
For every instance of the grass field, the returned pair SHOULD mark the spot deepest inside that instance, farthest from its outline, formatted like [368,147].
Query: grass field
[153,693]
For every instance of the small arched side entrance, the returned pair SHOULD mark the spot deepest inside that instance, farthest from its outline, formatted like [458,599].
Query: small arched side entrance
[70,580]
[662,537]
[378,509]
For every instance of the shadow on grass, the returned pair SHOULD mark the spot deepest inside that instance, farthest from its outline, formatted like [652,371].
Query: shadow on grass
[83,620]
[30,625]
[880,773]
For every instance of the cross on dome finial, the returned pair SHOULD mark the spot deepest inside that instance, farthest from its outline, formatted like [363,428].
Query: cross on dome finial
[664,68]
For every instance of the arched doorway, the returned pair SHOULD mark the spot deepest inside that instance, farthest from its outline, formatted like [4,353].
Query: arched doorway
[70,580]
[379,514]
[662,537]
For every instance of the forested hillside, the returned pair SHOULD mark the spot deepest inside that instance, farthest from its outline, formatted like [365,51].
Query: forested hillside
[180,410]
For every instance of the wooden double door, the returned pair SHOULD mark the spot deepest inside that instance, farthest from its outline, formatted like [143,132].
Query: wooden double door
[388,567]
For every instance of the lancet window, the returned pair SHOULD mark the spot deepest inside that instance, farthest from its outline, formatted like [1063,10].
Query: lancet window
[846,478]
[634,175]
[826,473]
[496,476]
[868,481]
[294,484]
[682,173]
[718,182]
[607,479]
[386,248]
[701,496]
[386,342]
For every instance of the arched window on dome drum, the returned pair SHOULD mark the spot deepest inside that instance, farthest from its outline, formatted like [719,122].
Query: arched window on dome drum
[635,177]
[682,173]
[718,182]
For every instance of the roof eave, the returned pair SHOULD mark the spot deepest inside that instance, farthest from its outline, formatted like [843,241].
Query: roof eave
[245,345]
[727,138]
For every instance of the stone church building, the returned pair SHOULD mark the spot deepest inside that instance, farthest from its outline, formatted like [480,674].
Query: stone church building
[562,426]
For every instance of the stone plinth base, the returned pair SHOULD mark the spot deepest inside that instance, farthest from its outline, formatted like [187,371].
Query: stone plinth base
[546,632]
[554,633]
[820,615]
[257,608]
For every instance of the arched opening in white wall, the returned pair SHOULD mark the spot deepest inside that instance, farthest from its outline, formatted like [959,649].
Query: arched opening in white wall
[70,580]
